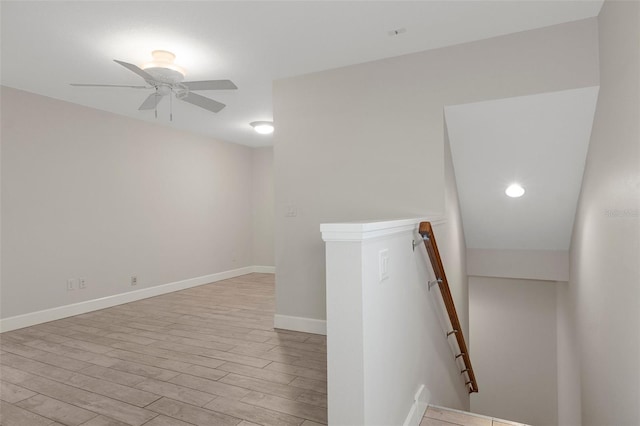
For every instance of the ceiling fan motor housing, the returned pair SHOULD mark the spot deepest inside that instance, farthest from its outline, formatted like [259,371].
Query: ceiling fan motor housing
[164,75]
[163,89]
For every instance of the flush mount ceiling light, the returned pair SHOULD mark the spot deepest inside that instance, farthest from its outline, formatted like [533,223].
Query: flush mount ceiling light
[514,190]
[262,127]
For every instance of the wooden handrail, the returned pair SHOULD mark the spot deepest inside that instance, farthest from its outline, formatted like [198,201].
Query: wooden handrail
[436,262]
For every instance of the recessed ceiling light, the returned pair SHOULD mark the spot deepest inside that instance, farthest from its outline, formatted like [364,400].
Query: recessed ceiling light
[514,190]
[262,127]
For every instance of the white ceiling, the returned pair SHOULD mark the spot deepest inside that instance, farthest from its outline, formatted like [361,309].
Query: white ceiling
[539,141]
[47,45]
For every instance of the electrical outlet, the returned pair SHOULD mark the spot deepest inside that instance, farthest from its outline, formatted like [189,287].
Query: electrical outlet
[134,280]
[71,284]
[82,283]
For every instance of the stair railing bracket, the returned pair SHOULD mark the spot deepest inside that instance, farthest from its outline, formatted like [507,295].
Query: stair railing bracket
[434,282]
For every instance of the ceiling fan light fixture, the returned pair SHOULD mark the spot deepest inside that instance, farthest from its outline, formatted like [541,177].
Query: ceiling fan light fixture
[262,127]
[163,59]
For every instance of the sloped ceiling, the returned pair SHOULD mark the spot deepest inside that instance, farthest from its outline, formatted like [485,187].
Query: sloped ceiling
[539,141]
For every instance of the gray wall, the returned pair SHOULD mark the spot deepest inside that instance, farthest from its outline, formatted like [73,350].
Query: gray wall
[605,267]
[569,397]
[367,141]
[90,194]
[451,242]
[513,347]
[262,206]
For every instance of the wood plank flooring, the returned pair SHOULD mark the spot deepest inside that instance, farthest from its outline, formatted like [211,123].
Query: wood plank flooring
[439,416]
[203,356]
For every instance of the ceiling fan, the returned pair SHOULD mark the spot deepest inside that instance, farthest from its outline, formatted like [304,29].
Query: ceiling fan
[166,78]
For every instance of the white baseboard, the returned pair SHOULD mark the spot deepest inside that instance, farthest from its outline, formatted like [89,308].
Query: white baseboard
[419,407]
[264,269]
[307,325]
[52,314]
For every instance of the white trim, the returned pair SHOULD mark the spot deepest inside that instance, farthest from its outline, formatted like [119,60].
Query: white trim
[306,325]
[360,231]
[52,314]
[264,269]
[419,407]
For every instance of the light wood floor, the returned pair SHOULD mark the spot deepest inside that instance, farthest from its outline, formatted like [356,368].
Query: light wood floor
[203,356]
[438,416]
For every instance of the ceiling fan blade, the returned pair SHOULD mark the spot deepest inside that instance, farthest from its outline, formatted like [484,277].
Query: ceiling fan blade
[142,73]
[151,102]
[108,85]
[202,102]
[210,85]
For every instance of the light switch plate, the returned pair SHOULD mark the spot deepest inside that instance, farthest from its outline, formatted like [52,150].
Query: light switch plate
[383,257]
[72,283]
